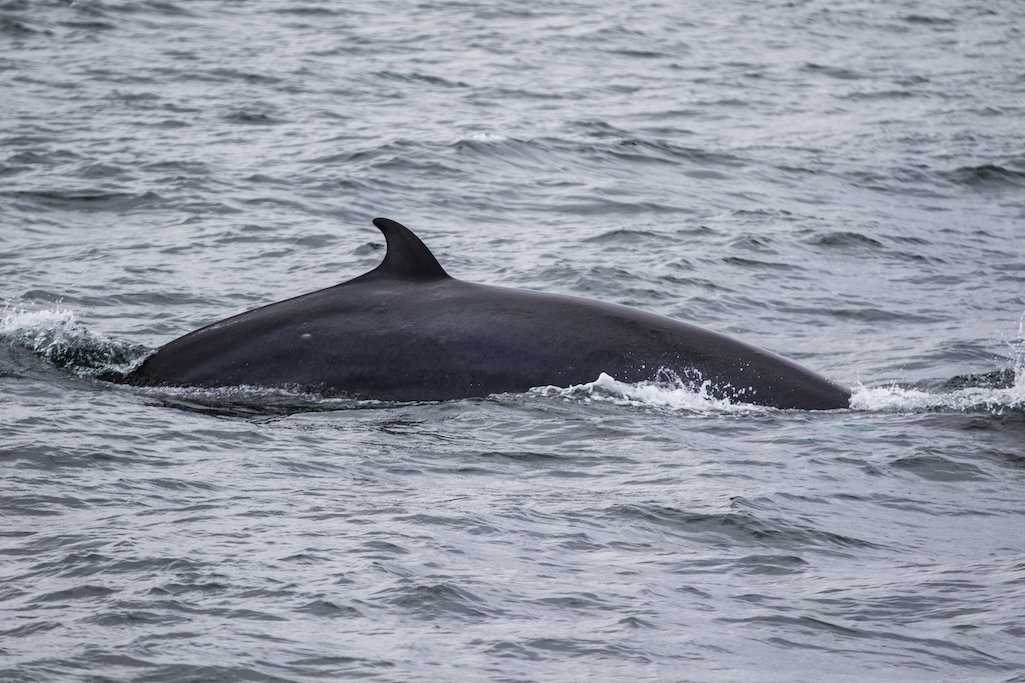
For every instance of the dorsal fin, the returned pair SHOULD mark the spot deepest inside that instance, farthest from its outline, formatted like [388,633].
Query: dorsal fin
[407,256]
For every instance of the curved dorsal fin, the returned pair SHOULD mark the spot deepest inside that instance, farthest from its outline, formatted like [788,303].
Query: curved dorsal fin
[407,256]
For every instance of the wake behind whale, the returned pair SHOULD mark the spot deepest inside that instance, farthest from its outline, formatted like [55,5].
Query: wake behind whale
[407,331]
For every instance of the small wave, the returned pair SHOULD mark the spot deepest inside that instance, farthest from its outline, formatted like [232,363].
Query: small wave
[14,27]
[986,176]
[633,148]
[330,610]
[735,527]
[177,167]
[88,200]
[252,117]
[56,335]
[927,19]
[668,392]
[591,205]
[845,240]
[101,170]
[756,243]
[166,8]
[755,264]
[82,592]
[307,11]
[868,314]
[939,468]
[628,236]
[832,71]
[88,25]
[891,94]
[437,600]
[607,144]
[418,77]
[508,149]
[237,75]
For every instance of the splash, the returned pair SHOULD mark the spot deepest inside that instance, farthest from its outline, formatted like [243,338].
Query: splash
[56,335]
[992,399]
[668,391]
[896,399]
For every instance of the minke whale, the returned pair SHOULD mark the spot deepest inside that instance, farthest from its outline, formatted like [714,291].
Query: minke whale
[408,331]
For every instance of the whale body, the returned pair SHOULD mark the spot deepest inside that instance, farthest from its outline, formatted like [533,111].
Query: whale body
[407,331]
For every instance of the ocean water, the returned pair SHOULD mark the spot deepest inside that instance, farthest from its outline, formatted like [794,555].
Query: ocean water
[841,182]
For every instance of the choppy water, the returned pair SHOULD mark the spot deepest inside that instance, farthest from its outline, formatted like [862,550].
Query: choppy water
[842,182]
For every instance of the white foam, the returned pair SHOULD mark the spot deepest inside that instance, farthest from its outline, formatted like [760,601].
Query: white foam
[894,398]
[668,392]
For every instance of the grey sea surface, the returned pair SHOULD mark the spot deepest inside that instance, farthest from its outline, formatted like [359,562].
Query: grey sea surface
[841,182]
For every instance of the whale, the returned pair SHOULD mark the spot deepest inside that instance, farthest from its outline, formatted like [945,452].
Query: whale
[408,331]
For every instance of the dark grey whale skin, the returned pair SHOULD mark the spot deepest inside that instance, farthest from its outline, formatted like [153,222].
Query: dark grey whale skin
[407,331]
